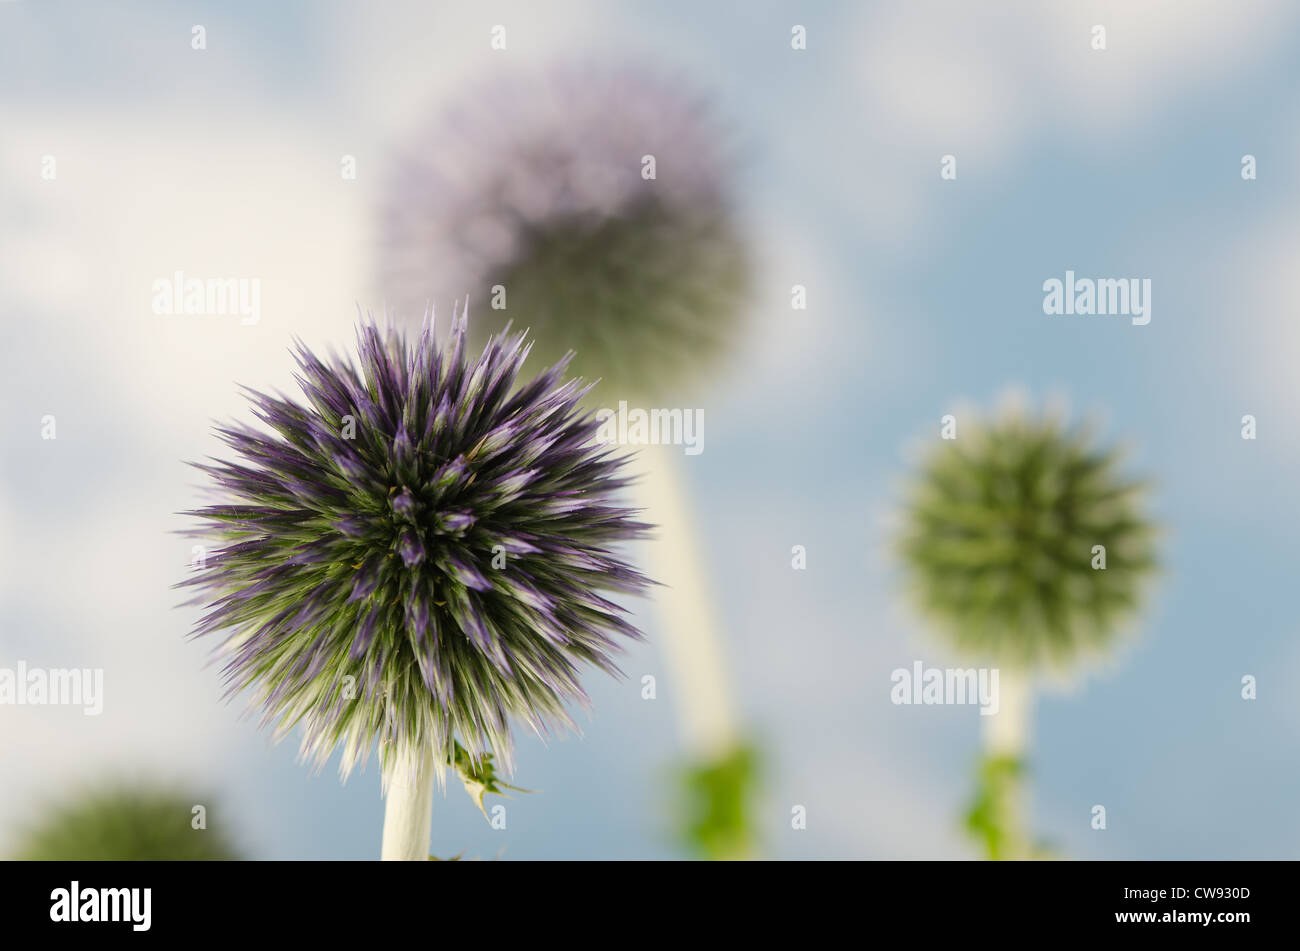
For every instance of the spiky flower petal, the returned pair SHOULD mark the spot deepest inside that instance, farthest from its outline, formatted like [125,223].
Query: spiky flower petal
[542,188]
[415,554]
[1001,534]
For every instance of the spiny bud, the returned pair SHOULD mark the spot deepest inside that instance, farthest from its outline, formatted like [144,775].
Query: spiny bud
[355,580]
[1002,531]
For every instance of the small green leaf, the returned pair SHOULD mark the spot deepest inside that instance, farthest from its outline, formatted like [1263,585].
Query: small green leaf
[479,778]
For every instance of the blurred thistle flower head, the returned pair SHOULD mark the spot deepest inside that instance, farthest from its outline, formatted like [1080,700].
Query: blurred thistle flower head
[999,538]
[539,185]
[126,822]
[415,553]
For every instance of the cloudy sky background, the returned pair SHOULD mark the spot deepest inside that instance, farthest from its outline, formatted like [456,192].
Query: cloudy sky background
[924,296]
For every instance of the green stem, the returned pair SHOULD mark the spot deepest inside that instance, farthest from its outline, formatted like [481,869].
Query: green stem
[998,816]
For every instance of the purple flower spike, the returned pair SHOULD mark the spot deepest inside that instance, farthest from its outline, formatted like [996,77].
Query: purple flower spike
[411,554]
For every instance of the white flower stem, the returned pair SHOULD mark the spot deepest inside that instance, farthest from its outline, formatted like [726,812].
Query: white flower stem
[692,648]
[408,807]
[1006,734]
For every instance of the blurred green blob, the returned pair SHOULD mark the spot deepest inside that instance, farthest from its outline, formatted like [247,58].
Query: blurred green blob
[991,819]
[1006,530]
[126,823]
[718,805]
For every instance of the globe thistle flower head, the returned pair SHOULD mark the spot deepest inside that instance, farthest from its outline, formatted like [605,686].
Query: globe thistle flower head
[123,823]
[1000,541]
[540,190]
[416,552]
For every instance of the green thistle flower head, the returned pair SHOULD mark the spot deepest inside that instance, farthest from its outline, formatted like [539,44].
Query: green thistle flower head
[1024,543]
[125,823]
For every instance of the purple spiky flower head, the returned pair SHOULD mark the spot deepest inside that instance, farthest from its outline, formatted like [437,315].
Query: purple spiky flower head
[592,203]
[416,553]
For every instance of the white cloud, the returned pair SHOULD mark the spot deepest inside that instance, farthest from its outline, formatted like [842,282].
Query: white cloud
[980,74]
[975,80]
[402,59]
[134,393]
